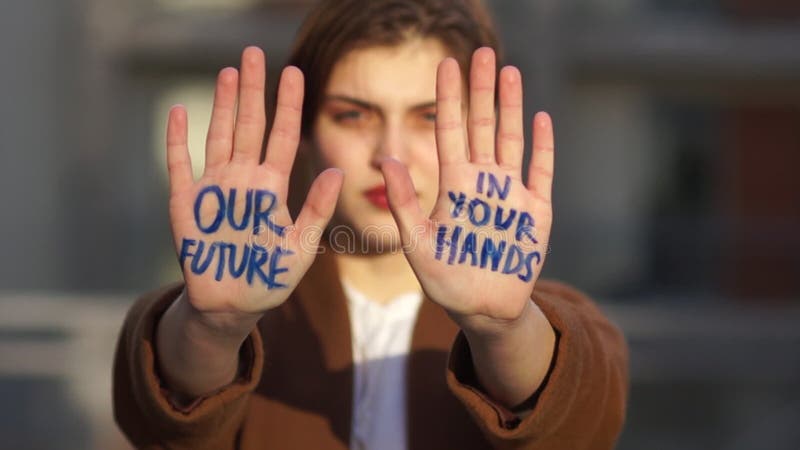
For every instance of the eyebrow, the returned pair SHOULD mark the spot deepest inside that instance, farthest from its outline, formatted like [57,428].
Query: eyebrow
[367,105]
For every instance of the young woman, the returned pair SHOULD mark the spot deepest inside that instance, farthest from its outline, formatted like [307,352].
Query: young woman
[402,306]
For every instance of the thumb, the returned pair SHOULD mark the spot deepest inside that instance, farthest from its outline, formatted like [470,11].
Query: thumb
[403,202]
[319,207]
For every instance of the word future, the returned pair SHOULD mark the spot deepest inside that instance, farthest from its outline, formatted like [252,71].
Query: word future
[488,253]
[254,262]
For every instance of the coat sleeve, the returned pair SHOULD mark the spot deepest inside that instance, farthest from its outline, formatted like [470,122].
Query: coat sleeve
[142,405]
[580,405]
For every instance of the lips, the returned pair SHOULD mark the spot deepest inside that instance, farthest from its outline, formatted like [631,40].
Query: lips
[377,196]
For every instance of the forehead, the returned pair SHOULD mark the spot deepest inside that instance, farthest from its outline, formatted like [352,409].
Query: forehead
[388,76]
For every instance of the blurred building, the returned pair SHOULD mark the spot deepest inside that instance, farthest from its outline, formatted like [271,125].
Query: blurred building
[677,199]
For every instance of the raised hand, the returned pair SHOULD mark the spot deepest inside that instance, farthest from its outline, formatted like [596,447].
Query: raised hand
[480,251]
[239,249]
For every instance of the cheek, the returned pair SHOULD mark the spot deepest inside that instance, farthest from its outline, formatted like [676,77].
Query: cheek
[339,148]
[425,158]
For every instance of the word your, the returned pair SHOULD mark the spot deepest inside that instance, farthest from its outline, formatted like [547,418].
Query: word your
[251,261]
[496,255]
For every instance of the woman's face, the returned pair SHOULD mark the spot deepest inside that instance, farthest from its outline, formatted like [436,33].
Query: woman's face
[379,102]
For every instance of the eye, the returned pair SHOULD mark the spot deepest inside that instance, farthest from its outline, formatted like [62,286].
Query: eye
[425,118]
[347,116]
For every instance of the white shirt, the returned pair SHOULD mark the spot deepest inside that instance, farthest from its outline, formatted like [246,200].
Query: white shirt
[381,341]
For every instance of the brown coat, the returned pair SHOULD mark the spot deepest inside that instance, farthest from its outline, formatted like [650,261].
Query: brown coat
[296,391]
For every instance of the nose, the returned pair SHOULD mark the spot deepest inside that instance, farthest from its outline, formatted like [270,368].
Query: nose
[390,143]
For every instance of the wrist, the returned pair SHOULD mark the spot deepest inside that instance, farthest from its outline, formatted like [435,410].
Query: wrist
[223,328]
[487,328]
[194,358]
[511,359]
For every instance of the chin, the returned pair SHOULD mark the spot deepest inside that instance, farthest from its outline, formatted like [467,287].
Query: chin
[379,245]
[374,233]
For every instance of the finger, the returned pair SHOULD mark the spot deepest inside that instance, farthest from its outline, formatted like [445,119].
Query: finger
[219,141]
[179,163]
[481,124]
[540,172]
[510,140]
[285,134]
[319,206]
[402,197]
[449,126]
[250,116]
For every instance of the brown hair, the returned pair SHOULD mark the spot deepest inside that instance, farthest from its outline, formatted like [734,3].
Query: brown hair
[335,27]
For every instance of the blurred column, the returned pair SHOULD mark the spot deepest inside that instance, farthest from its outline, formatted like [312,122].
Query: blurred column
[607,168]
[38,107]
[763,203]
[606,151]
[762,184]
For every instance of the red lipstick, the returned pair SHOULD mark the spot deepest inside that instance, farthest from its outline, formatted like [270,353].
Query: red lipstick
[377,196]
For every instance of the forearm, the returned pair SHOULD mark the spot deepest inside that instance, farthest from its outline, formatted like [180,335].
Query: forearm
[195,359]
[511,358]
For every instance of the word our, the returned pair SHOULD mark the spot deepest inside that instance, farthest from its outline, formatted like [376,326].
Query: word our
[259,203]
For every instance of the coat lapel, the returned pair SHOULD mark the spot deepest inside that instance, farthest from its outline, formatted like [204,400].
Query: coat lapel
[307,383]
[436,419]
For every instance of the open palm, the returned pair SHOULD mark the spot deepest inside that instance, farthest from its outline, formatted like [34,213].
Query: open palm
[239,249]
[480,251]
